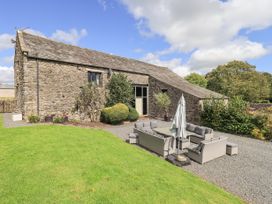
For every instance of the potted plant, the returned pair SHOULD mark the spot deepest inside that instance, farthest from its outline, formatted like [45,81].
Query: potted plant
[163,101]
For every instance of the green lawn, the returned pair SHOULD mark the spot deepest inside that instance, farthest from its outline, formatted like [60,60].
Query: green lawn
[59,164]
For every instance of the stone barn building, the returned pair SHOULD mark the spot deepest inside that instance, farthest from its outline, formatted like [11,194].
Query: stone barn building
[49,76]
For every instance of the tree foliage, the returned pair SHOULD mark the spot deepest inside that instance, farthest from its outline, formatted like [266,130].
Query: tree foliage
[163,101]
[120,90]
[197,79]
[233,117]
[238,78]
[90,102]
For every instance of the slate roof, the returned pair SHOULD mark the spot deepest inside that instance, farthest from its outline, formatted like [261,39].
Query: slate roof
[43,48]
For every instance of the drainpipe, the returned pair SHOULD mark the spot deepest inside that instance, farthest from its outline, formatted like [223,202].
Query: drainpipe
[38,86]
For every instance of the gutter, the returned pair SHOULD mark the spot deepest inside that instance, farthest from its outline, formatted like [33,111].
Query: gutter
[38,86]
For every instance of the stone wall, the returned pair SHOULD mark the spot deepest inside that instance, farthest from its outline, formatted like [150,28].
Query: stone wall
[52,87]
[19,59]
[192,102]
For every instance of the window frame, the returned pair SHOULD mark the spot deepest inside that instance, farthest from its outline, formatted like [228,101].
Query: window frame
[98,78]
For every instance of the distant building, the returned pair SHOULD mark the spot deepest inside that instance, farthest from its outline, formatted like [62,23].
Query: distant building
[7,91]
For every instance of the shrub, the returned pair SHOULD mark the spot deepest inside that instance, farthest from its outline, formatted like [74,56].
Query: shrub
[33,119]
[163,101]
[90,102]
[232,118]
[115,114]
[258,134]
[120,90]
[58,119]
[133,114]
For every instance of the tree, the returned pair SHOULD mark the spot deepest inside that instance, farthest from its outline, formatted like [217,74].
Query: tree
[197,79]
[90,102]
[269,79]
[164,102]
[120,90]
[238,78]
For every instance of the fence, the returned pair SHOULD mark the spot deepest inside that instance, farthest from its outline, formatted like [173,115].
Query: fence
[7,105]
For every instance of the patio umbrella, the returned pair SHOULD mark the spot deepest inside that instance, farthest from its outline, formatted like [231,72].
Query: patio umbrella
[179,121]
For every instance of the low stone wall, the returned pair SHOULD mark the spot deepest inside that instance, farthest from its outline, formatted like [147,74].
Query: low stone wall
[7,105]
[258,106]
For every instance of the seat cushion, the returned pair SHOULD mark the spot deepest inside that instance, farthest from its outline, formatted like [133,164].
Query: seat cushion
[139,125]
[147,124]
[200,130]
[153,124]
[148,130]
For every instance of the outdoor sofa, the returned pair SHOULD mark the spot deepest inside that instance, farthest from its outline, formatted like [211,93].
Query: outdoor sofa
[208,150]
[198,133]
[153,141]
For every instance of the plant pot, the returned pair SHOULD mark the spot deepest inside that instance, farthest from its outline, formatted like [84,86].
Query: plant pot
[166,118]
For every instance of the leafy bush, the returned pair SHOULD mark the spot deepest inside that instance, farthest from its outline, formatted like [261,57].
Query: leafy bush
[33,119]
[231,117]
[58,119]
[133,114]
[90,102]
[163,101]
[258,134]
[115,114]
[120,90]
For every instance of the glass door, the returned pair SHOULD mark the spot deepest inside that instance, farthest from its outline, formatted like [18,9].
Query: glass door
[141,99]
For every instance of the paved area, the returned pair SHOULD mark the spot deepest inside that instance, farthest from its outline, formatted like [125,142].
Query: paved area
[9,123]
[248,175]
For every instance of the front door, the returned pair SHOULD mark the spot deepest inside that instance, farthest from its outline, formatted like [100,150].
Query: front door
[141,99]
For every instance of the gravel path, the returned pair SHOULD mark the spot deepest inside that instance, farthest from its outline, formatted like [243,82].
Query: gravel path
[248,175]
[9,123]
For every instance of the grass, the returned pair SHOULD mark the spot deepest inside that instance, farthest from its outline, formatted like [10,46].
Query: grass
[61,164]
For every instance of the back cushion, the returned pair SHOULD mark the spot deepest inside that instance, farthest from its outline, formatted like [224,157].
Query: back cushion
[147,124]
[153,124]
[139,125]
[208,130]
[191,127]
[200,130]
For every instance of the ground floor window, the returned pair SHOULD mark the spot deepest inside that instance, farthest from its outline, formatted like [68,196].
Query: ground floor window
[140,101]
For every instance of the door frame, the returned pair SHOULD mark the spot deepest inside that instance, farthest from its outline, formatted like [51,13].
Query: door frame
[147,97]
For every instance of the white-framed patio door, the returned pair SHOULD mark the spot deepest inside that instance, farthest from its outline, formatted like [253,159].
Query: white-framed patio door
[141,99]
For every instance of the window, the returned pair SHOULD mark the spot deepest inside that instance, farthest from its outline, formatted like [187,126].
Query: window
[164,90]
[94,78]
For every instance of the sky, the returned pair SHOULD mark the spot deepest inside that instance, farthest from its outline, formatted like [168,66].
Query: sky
[184,35]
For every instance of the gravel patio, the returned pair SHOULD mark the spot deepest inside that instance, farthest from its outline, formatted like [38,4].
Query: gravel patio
[248,175]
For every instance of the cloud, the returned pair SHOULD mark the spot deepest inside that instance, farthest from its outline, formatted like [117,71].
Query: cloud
[5,41]
[241,49]
[210,29]
[34,32]
[72,36]
[175,64]
[6,75]
[103,3]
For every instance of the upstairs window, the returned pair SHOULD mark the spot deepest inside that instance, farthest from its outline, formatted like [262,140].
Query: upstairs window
[94,78]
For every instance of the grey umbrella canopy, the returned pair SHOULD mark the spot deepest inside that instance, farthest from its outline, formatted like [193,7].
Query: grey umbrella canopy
[179,121]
